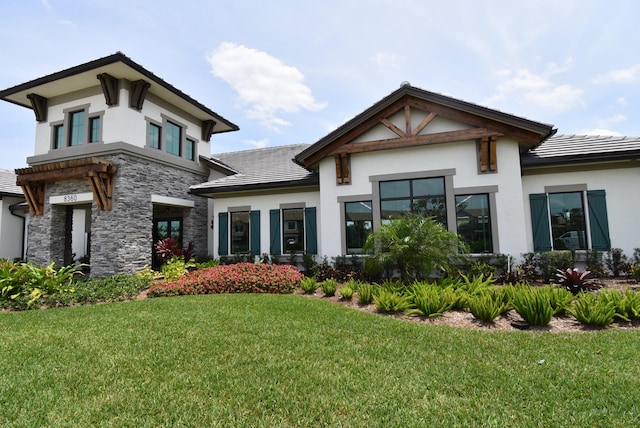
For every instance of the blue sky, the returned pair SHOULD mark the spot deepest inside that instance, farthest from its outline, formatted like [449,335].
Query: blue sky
[291,71]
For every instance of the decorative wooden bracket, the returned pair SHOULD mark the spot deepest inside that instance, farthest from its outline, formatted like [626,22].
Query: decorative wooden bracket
[98,172]
[109,88]
[343,174]
[39,105]
[488,154]
[138,93]
[34,194]
[207,129]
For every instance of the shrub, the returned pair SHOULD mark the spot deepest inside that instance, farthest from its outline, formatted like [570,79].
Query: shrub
[309,284]
[429,300]
[236,278]
[533,305]
[94,290]
[168,247]
[593,309]
[594,264]
[627,304]
[576,281]
[365,293]
[560,299]
[552,261]
[415,246]
[176,267]
[329,287]
[634,272]
[617,261]
[486,305]
[346,291]
[391,301]
[324,270]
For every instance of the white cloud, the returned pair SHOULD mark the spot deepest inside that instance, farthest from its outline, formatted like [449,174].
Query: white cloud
[258,144]
[623,75]
[264,85]
[622,101]
[538,89]
[385,61]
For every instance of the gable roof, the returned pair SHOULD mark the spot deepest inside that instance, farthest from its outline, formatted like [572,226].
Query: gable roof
[527,132]
[258,169]
[572,149]
[8,185]
[121,67]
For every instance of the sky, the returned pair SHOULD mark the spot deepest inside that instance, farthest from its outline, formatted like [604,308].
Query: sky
[290,72]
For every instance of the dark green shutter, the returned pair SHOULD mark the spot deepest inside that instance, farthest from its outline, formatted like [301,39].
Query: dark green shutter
[598,220]
[540,222]
[311,230]
[223,234]
[254,223]
[274,232]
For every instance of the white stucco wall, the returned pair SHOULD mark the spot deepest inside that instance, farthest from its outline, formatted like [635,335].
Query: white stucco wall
[11,230]
[460,156]
[622,196]
[263,203]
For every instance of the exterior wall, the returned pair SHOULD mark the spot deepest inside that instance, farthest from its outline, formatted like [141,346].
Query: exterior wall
[459,156]
[622,197]
[264,203]
[11,229]
[121,239]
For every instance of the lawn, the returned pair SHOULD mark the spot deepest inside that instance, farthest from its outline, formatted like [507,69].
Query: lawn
[288,360]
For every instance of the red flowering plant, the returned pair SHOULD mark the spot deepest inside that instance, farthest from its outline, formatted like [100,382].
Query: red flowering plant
[235,278]
[168,247]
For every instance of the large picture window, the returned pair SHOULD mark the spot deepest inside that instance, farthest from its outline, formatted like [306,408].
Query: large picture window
[568,228]
[359,224]
[473,220]
[424,196]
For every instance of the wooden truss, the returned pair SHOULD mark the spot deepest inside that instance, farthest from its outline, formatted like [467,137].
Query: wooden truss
[98,172]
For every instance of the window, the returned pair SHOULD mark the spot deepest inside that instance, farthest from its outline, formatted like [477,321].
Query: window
[191,149]
[424,195]
[239,232]
[560,221]
[359,224]
[165,228]
[473,222]
[155,133]
[76,128]
[293,230]
[58,136]
[173,138]
[94,129]
[244,227]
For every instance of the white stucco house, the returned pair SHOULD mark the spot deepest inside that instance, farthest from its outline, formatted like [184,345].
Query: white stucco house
[122,158]
[506,184]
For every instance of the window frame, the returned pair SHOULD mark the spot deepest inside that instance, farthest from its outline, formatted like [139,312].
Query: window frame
[233,221]
[491,221]
[62,135]
[179,148]
[343,201]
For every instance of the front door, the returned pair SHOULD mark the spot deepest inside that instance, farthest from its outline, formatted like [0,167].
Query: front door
[165,228]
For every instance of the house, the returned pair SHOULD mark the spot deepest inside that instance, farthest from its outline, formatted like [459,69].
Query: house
[122,159]
[116,150]
[12,217]
[506,184]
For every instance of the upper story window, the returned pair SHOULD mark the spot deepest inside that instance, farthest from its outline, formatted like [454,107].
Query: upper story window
[78,127]
[171,137]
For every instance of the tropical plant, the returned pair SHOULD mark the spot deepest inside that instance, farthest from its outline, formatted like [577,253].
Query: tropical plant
[575,280]
[593,309]
[365,293]
[329,287]
[533,305]
[486,305]
[346,291]
[429,300]
[627,304]
[386,300]
[617,261]
[168,247]
[415,246]
[176,267]
[308,284]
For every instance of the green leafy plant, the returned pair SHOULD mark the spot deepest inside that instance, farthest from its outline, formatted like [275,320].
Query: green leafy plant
[617,261]
[575,280]
[347,290]
[429,300]
[560,299]
[551,261]
[176,267]
[329,287]
[415,246]
[533,305]
[627,304]
[634,272]
[365,293]
[308,284]
[486,305]
[389,301]
[592,309]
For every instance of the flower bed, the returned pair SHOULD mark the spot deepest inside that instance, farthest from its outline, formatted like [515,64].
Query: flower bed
[235,278]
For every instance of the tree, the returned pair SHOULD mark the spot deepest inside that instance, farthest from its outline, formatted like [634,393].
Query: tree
[415,246]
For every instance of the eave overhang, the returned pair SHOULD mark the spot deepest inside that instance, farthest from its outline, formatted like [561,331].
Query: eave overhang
[212,192]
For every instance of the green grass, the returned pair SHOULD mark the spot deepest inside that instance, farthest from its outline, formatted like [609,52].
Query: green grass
[286,360]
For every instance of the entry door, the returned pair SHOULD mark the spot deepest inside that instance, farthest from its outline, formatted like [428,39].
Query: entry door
[165,228]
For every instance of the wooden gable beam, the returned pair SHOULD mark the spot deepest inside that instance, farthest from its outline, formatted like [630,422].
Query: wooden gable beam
[392,127]
[416,140]
[427,120]
[102,187]
[343,175]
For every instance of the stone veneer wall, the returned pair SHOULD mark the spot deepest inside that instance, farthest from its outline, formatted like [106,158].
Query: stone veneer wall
[121,239]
